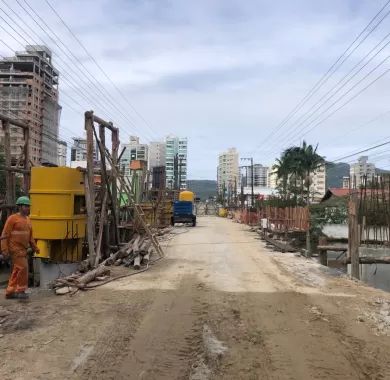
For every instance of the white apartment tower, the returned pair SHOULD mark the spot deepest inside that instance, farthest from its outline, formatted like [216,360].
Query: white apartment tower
[359,171]
[317,187]
[134,150]
[61,153]
[318,183]
[228,172]
[176,162]
[156,154]
[260,175]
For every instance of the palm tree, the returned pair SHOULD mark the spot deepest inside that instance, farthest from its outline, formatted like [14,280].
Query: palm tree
[282,170]
[310,161]
[297,163]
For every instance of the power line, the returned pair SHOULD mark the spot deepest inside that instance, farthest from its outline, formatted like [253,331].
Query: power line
[91,78]
[341,87]
[345,103]
[339,99]
[65,76]
[82,79]
[333,68]
[67,79]
[362,151]
[98,65]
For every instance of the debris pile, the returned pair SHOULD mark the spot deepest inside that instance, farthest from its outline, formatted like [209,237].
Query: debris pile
[137,253]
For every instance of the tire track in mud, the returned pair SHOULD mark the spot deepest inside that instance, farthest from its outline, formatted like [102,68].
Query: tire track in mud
[107,353]
[169,338]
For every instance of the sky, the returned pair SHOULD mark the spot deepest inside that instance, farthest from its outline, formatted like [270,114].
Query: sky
[224,73]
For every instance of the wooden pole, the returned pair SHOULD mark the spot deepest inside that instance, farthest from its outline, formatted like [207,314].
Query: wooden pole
[114,183]
[9,175]
[323,253]
[100,243]
[308,237]
[26,149]
[353,237]
[90,188]
[114,210]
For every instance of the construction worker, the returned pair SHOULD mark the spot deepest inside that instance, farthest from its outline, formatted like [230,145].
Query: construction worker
[17,240]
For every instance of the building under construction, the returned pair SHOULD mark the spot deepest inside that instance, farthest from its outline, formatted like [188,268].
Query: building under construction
[29,93]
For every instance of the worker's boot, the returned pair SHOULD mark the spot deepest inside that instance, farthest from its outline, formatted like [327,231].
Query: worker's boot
[11,296]
[22,296]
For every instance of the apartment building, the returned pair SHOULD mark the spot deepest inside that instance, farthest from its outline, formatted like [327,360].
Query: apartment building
[260,175]
[317,178]
[176,149]
[272,179]
[134,150]
[228,170]
[346,182]
[318,183]
[360,170]
[29,93]
[156,154]
[62,147]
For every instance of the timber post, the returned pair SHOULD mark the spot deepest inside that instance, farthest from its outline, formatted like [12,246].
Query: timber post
[90,187]
[9,175]
[26,152]
[114,182]
[353,237]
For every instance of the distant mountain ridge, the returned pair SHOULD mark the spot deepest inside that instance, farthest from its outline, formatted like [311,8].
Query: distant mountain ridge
[336,172]
[203,188]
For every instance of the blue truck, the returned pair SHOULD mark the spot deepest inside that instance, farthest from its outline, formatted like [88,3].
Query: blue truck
[183,212]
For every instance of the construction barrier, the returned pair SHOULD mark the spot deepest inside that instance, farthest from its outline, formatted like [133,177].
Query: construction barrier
[278,219]
[287,219]
[246,217]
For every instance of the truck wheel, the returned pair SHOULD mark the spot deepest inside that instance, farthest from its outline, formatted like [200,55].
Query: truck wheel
[194,222]
[172,221]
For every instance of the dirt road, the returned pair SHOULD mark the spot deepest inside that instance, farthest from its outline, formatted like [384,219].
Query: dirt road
[219,306]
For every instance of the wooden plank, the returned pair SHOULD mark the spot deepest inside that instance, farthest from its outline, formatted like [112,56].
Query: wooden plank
[90,222]
[370,260]
[335,248]
[114,182]
[284,247]
[354,240]
[103,218]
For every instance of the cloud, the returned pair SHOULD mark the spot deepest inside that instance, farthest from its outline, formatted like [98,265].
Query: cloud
[226,70]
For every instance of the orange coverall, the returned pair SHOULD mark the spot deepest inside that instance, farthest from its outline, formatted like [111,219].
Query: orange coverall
[18,237]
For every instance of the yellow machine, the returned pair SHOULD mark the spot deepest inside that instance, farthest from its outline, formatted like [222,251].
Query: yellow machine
[186,195]
[58,213]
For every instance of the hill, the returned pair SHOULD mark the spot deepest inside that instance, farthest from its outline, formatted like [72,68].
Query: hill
[335,174]
[203,189]
[382,171]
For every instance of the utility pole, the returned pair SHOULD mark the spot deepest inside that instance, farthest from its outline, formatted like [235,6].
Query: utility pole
[235,192]
[242,191]
[252,179]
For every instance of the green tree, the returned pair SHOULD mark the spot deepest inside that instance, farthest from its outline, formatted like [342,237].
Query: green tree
[310,162]
[294,169]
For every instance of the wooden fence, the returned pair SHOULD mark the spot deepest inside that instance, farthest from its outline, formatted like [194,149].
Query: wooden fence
[287,219]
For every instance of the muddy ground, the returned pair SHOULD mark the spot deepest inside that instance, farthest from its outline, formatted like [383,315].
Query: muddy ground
[221,305]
